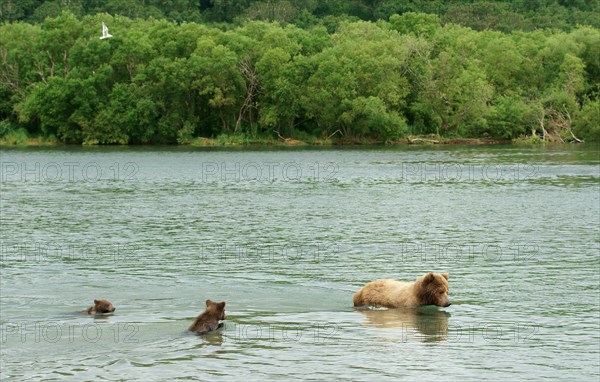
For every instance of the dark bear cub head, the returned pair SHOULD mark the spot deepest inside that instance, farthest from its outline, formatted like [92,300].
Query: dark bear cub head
[209,319]
[100,307]
[216,309]
[432,289]
[103,306]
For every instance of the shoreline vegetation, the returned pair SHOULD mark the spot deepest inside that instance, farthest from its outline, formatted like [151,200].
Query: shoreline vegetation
[293,73]
[242,141]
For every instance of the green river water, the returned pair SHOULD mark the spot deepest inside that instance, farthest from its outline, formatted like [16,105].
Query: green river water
[286,236]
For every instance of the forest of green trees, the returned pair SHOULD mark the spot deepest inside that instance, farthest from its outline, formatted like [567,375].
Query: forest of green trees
[501,15]
[179,71]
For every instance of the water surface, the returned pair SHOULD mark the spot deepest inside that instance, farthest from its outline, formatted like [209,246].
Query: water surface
[286,236]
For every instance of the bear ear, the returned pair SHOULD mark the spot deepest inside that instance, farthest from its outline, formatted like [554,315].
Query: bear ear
[222,305]
[428,278]
[96,301]
[445,275]
[208,302]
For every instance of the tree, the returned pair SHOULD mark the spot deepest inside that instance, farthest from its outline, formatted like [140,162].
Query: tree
[586,123]
[367,63]
[419,24]
[453,86]
[217,81]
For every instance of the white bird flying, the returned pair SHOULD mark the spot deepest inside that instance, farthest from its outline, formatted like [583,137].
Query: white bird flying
[105,33]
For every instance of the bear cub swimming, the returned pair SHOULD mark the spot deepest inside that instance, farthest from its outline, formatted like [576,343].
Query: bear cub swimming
[100,307]
[209,319]
[430,289]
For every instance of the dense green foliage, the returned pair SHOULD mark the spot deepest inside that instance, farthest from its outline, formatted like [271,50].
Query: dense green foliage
[159,81]
[503,15]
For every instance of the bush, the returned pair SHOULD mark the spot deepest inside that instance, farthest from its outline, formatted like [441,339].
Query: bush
[586,124]
[11,136]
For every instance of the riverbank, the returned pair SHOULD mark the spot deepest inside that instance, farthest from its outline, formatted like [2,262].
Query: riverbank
[234,141]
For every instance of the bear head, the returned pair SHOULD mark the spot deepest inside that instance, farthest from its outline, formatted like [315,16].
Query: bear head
[103,306]
[432,289]
[216,309]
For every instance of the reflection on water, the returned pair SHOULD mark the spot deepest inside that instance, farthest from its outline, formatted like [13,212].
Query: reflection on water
[102,316]
[430,324]
[214,338]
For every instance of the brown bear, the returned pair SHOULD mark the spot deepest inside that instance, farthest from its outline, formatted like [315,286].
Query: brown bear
[430,289]
[209,319]
[100,307]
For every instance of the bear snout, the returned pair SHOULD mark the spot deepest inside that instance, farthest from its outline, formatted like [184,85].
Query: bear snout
[447,304]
